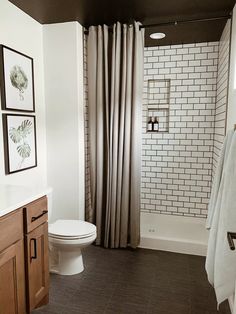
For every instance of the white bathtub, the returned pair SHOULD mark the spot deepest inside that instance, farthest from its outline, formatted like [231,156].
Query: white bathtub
[174,233]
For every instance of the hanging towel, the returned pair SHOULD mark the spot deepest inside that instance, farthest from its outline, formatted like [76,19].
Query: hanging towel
[217,178]
[221,261]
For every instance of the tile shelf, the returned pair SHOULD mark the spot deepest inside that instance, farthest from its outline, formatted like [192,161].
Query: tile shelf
[157,109]
[156,132]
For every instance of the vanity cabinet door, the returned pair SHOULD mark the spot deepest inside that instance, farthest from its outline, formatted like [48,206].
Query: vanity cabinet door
[38,268]
[12,280]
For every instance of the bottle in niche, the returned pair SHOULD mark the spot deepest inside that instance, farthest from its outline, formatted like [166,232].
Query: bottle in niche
[156,125]
[150,125]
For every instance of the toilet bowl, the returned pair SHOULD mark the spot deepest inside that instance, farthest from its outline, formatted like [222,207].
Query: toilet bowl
[66,239]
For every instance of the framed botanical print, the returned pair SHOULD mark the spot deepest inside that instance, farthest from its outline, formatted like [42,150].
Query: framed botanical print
[19,132]
[16,80]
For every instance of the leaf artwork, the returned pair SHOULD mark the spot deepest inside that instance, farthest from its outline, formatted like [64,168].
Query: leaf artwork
[24,150]
[19,136]
[25,128]
[15,135]
[19,80]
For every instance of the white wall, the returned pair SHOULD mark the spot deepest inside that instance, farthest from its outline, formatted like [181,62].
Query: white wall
[63,52]
[231,116]
[22,33]
[62,45]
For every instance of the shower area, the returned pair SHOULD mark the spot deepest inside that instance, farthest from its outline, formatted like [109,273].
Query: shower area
[185,93]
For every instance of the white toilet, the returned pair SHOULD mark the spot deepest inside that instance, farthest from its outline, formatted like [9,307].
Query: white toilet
[66,239]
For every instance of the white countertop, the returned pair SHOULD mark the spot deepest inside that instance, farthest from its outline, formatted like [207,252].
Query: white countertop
[13,196]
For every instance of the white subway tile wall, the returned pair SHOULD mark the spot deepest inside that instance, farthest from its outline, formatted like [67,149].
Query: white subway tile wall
[222,93]
[177,166]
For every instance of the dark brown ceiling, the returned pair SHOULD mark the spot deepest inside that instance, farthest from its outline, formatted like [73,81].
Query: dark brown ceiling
[94,12]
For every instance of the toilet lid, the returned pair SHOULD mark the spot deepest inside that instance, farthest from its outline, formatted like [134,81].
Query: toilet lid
[71,228]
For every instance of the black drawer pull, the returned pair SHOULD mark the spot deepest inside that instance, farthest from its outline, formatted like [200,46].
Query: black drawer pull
[35,249]
[39,216]
[231,236]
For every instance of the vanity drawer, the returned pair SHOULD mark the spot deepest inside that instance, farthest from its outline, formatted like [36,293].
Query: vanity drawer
[35,213]
[11,229]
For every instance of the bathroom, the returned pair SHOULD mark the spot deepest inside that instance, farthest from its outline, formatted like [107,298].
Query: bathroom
[189,88]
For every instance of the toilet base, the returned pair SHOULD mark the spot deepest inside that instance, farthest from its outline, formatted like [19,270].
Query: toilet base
[65,254]
[66,262]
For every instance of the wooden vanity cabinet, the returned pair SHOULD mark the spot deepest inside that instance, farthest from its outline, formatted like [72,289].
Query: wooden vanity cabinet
[24,267]
[38,281]
[36,240]
[12,264]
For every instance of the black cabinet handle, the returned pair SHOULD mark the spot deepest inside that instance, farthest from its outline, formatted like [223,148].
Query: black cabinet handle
[37,217]
[230,237]
[35,249]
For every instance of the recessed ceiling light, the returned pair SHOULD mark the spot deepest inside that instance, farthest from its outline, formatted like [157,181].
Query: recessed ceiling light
[157,35]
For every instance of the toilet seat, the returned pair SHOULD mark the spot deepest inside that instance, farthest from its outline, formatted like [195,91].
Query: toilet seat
[71,229]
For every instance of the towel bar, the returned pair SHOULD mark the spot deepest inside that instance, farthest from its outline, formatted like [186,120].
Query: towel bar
[230,237]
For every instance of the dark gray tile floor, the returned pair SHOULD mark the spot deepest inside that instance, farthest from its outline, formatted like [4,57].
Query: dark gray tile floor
[134,282]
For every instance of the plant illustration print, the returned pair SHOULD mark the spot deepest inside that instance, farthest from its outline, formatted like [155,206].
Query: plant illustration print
[19,80]
[19,136]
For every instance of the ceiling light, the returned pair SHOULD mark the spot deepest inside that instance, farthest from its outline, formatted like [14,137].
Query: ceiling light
[157,35]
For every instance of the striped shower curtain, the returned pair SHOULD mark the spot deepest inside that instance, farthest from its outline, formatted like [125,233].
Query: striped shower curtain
[115,81]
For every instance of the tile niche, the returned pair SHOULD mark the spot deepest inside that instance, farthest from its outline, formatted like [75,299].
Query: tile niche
[158,102]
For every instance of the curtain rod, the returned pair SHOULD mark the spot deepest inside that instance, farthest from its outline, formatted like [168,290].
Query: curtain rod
[187,21]
[224,17]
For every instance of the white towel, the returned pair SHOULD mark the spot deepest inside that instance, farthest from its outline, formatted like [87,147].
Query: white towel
[217,178]
[221,261]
